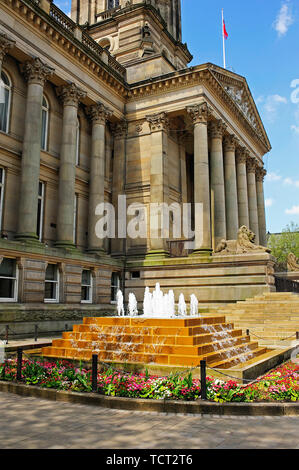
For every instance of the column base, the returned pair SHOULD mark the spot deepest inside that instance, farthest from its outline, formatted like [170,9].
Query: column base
[30,238]
[97,252]
[65,245]
[207,252]
[157,254]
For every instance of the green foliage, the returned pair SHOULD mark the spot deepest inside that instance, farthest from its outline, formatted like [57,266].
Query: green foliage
[283,244]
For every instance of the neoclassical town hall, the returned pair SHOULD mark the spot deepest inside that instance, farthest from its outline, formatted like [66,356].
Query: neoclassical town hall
[104,104]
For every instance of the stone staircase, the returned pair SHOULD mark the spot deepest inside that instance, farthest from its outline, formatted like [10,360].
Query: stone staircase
[167,342]
[270,318]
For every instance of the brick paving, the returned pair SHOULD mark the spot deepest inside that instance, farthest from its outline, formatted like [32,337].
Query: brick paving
[32,423]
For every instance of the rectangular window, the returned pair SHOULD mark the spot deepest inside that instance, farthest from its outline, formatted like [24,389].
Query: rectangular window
[86,287]
[52,283]
[115,286]
[8,280]
[40,210]
[2,179]
[75,219]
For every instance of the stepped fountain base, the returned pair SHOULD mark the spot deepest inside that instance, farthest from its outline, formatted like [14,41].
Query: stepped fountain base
[165,345]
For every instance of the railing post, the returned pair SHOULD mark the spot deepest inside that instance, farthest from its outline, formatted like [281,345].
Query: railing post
[247,333]
[297,335]
[35,332]
[203,379]
[66,327]
[6,333]
[19,363]
[94,373]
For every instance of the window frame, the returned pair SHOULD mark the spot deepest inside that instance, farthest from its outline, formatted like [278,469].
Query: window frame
[90,287]
[42,206]
[9,88]
[115,286]
[108,7]
[44,138]
[2,190]
[16,283]
[57,282]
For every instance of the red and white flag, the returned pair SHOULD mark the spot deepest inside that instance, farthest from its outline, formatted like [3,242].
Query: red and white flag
[225,33]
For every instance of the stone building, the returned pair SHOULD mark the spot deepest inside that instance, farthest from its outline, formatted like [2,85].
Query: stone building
[103,104]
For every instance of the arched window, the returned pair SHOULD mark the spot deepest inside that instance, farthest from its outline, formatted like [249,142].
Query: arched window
[112,4]
[78,142]
[5,99]
[45,124]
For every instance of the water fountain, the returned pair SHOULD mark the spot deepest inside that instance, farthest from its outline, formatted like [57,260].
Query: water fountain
[193,305]
[182,309]
[120,304]
[132,306]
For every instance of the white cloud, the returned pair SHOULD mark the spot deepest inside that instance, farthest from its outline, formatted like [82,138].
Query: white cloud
[269,202]
[272,177]
[293,211]
[271,106]
[284,19]
[295,129]
[288,181]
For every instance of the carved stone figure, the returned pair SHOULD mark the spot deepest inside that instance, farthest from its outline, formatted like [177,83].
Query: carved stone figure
[292,263]
[243,244]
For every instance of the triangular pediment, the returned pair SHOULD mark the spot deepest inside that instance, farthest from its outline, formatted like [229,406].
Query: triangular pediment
[237,89]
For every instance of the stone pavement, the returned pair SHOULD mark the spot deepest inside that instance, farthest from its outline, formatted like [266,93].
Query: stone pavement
[32,423]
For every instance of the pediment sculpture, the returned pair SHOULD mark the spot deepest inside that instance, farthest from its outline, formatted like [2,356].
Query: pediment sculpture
[292,263]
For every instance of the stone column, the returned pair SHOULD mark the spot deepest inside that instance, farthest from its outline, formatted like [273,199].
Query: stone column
[241,159]
[70,96]
[216,131]
[183,180]
[120,131]
[231,194]
[159,192]
[260,175]
[98,115]
[5,45]
[203,236]
[252,198]
[36,73]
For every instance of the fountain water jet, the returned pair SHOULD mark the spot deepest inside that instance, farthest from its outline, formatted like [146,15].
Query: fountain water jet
[193,305]
[120,304]
[182,306]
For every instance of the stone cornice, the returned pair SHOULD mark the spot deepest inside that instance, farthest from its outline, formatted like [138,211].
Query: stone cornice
[36,71]
[60,30]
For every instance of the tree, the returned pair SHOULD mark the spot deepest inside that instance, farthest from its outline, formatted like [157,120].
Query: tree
[283,244]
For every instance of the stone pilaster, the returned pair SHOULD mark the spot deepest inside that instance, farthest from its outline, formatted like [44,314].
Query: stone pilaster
[231,194]
[203,236]
[216,131]
[252,198]
[120,131]
[70,96]
[98,115]
[159,192]
[5,45]
[36,73]
[260,175]
[241,159]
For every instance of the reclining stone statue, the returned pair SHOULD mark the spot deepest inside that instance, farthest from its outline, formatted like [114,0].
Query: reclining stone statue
[243,244]
[292,263]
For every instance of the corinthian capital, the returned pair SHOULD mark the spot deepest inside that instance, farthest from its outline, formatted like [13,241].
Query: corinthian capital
[70,95]
[120,129]
[158,122]
[5,45]
[230,143]
[98,113]
[251,165]
[260,174]
[35,71]
[199,113]
[217,129]
[242,155]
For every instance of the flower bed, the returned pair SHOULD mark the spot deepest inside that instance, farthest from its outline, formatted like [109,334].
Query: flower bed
[281,384]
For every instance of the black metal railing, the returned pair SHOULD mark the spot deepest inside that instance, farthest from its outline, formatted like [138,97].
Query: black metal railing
[283,284]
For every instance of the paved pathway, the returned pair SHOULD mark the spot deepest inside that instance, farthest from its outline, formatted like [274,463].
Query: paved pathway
[32,423]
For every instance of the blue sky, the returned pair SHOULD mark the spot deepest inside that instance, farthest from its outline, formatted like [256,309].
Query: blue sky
[263,47]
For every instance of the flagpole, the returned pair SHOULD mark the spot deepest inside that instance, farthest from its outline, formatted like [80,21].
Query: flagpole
[223,39]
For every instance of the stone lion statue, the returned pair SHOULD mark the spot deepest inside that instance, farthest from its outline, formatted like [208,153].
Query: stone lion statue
[292,263]
[243,244]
